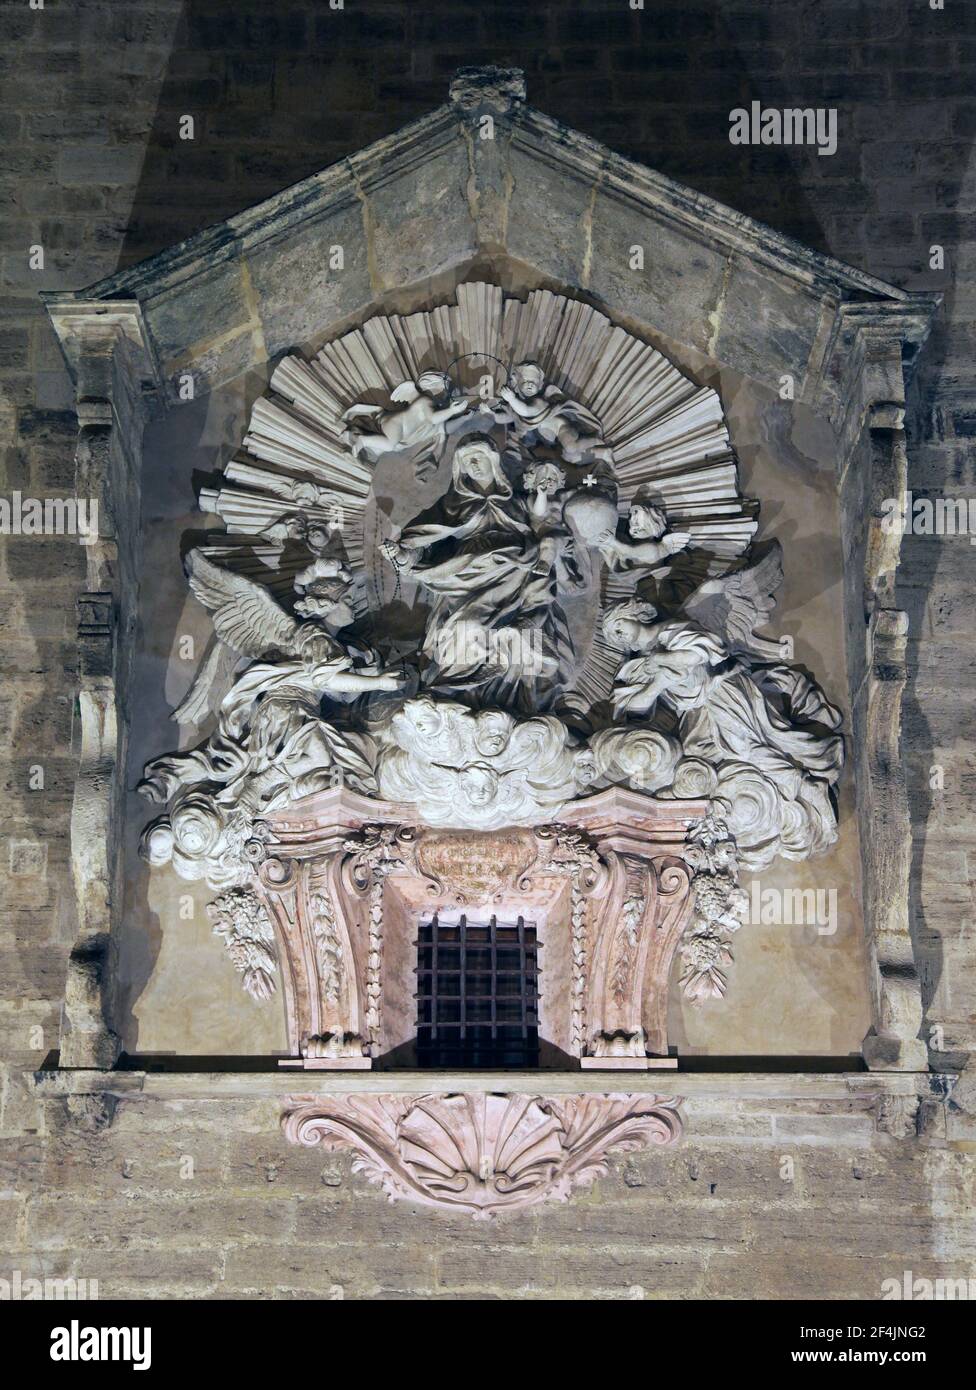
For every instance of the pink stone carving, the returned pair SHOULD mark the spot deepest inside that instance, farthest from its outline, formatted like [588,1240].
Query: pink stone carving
[482,1154]
[608,888]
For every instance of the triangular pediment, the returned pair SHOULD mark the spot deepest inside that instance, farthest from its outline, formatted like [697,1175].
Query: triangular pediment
[487,182]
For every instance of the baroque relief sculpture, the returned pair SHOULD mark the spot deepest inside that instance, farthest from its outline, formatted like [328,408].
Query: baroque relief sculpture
[482,1155]
[485,567]
[417,429]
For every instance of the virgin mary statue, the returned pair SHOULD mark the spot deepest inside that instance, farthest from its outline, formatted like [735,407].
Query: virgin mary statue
[495,634]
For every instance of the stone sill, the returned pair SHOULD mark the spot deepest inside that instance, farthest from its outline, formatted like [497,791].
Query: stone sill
[251,1085]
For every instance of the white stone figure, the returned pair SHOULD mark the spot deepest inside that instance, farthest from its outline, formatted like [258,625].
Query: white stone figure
[322,586]
[643,541]
[724,708]
[270,744]
[543,413]
[772,764]
[494,624]
[252,622]
[417,426]
[545,484]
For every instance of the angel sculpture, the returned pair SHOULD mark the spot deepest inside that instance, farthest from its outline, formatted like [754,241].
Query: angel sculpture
[269,741]
[543,413]
[545,484]
[419,426]
[729,708]
[322,588]
[643,541]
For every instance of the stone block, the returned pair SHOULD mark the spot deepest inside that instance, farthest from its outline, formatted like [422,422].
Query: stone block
[205,310]
[329,295]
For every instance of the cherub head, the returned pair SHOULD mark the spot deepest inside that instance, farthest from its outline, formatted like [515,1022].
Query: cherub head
[548,477]
[306,494]
[492,731]
[437,385]
[326,600]
[527,380]
[324,586]
[418,724]
[585,768]
[626,624]
[646,521]
[296,526]
[479,784]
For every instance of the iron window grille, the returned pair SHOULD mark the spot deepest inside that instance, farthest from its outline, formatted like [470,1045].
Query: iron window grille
[477,993]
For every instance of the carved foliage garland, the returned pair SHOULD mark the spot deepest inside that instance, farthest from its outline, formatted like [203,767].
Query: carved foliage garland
[239,917]
[566,850]
[377,850]
[482,1154]
[720,906]
[328,947]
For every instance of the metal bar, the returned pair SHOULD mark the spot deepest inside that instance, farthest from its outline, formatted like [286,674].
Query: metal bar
[493,938]
[523,991]
[462,973]
[434,935]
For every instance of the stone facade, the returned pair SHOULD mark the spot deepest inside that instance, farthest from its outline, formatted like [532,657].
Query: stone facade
[153,1192]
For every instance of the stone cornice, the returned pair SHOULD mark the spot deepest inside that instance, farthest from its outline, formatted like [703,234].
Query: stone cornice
[699,214]
[536,134]
[773,1086]
[88,325]
[336,186]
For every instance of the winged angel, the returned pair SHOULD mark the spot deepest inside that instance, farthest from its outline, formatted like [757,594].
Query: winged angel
[270,743]
[419,425]
[754,732]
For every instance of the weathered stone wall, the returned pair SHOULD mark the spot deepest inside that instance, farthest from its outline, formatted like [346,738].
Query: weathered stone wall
[96,174]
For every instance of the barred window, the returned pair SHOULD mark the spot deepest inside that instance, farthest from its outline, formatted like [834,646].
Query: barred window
[477,993]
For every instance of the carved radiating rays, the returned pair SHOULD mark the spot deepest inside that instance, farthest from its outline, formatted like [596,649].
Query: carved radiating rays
[665,431]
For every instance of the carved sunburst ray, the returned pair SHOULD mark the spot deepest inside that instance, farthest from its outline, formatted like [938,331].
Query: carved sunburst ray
[666,431]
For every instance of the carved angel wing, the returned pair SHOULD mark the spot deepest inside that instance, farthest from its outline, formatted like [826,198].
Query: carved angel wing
[211,683]
[360,412]
[405,393]
[245,615]
[736,604]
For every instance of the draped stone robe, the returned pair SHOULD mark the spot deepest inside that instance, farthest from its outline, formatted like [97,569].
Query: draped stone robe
[494,628]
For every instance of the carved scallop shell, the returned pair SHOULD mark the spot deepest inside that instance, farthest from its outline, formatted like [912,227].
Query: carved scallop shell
[482,1154]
